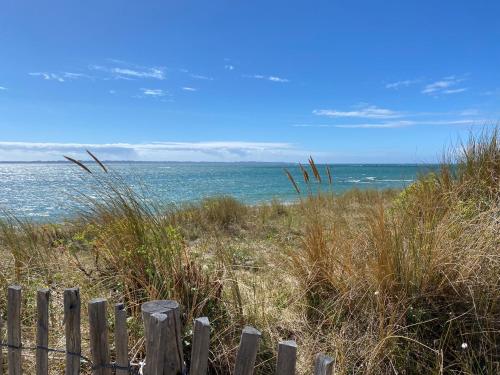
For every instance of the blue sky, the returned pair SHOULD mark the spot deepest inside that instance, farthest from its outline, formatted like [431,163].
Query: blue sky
[344,81]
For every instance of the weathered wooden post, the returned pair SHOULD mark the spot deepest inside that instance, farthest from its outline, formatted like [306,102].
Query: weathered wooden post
[247,353]
[287,358]
[121,339]
[72,310]
[200,347]
[155,345]
[14,329]
[42,331]
[99,346]
[323,365]
[1,347]
[172,343]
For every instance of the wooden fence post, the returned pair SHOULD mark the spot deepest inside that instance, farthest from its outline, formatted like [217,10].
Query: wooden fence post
[174,358]
[287,357]
[73,333]
[323,365]
[156,345]
[98,335]
[247,353]
[1,347]
[42,331]
[14,329]
[121,339]
[200,347]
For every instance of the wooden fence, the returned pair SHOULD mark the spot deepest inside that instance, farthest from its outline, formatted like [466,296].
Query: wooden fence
[162,327]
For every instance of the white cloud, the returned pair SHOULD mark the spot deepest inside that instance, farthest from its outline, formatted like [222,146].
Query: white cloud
[149,73]
[199,76]
[444,86]
[399,84]
[130,71]
[153,92]
[229,67]
[157,151]
[394,124]
[455,91]
[48,76]
[2,88]
[112,92]
[397,124]
[189,89]
[70,75]
[364,111]
[387,125]
[59,77]
[277,79]
[268,78]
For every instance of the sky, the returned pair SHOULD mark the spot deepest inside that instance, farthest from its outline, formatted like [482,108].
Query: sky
[344,81]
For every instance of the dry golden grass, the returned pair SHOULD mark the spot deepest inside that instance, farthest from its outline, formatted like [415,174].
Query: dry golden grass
[387,282]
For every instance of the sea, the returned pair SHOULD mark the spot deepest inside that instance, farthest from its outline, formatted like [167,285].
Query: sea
[48,192]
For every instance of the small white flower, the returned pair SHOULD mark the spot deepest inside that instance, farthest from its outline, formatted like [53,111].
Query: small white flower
[464,345]
[376,293]
[141,367]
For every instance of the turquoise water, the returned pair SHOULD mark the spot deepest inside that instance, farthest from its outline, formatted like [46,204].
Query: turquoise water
[45,191]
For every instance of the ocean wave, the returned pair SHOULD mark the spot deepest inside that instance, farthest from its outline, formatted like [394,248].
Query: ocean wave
[397,180]
[355,181]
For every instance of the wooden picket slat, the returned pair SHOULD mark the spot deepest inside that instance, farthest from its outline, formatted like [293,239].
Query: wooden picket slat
[173,353]
[287,358]
[200,347]
[14,329]
[247,353]
[323,365]
[155,345]
[121,339]
[98,335]
[42,331]
[72,316]
[1,347]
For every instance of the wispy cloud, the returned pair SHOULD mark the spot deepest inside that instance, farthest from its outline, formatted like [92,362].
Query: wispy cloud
[48,76]
[59,77]
[400,124]
[444,86]
[174,151]
[364,111]
[397,124]
[130,71]
[153,92]
[277,79]
[229,67]
[393,124]
[199,76]
[2,88]
[189,89]
[268,78]
[398,84]
[156,73]
[455,91]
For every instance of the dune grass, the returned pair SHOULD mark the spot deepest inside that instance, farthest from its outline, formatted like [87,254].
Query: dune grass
[386,281]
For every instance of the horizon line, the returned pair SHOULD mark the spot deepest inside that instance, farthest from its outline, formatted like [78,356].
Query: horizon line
[208,162]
